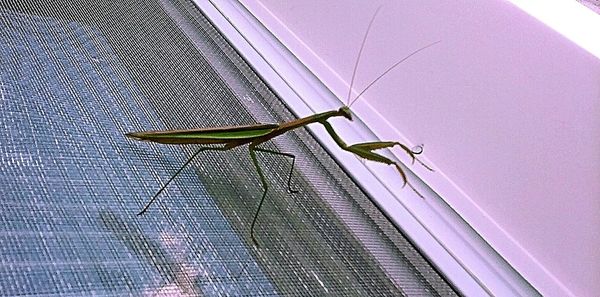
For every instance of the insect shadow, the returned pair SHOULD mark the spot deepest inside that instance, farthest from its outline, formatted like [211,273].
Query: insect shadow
[151,251]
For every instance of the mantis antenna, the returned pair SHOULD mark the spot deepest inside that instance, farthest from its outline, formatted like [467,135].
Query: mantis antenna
[391,68]
[362,46]
[360,51]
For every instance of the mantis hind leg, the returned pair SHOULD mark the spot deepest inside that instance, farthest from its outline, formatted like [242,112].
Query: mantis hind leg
[177,173]
[289,181]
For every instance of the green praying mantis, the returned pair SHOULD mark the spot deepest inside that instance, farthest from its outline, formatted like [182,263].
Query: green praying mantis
[254,135]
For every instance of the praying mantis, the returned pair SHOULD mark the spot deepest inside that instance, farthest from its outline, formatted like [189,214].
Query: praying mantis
[255,135]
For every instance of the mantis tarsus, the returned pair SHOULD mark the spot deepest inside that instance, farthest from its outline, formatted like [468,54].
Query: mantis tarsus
[254,135]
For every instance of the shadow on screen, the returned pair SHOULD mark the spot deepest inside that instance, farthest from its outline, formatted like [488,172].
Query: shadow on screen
[148,250]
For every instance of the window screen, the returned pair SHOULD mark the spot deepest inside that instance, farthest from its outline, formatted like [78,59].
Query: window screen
[76,76]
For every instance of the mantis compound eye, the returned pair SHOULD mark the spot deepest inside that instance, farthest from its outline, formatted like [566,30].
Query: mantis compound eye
[345,111]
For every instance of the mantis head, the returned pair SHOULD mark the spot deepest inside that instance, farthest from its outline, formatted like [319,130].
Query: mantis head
[345,111]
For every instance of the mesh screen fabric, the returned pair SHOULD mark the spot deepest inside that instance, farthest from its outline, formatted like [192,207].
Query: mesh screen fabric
[76,76]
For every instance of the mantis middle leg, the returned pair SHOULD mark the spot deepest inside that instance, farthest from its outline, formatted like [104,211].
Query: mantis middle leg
[253,149]
[263,180]
[291,169]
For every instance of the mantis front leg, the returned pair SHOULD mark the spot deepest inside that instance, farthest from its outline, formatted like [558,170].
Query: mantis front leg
[365,150]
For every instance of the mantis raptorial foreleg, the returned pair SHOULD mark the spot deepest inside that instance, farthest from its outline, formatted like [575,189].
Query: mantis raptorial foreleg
[177,173]
[365,150]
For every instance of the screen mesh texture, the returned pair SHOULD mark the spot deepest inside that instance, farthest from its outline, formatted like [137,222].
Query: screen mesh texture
[76,76]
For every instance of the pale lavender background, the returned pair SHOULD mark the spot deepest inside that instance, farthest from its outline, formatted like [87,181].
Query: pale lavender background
[508,109]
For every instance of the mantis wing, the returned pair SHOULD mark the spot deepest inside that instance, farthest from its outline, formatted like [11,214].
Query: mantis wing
[205,135]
